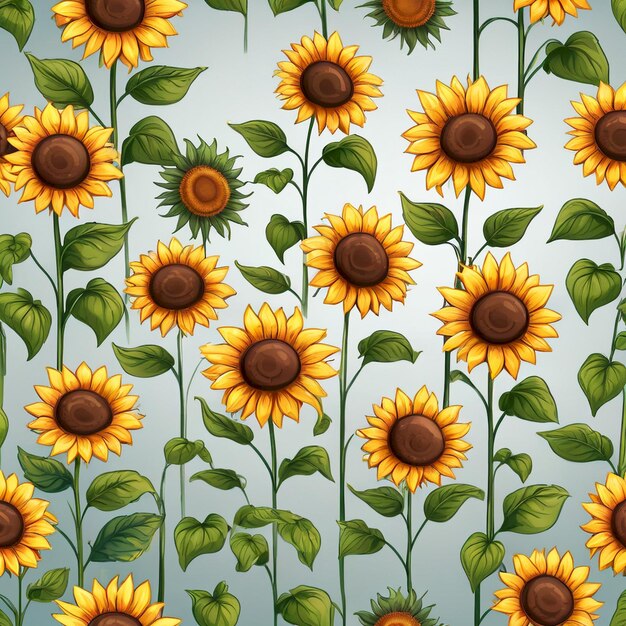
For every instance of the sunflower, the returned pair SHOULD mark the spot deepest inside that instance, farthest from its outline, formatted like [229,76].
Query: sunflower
[397,610]
[413,441]
[122,605]
[84,413]
[203,190]
[361,259]
[499,317]
[120,30]
[9,118]
[271,367]
[326,80]
[547,591]
[556,9]
[60,161]
[414,21]
[177,286]
[24,525]
[599,134]
[468,134]
[608,524]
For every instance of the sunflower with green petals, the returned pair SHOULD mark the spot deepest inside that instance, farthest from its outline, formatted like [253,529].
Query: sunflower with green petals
[398,610]
[203,190]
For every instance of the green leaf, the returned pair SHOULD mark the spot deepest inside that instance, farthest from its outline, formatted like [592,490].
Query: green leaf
[62,82]
[4,619]
[530,400]
[283,234]
[304,537]
[275,179]
[480,558]
[4,427]
[521,464]
[237,6]
[125,538]
[356,537]
[619,11]
[219,478]
[98,305]
[193,538]
[91,246]
[580,59]
[621,307]
[249,516]
[386,346]
[502,455]
[282,6]
[14,249]
[221,426]
[179,451]
[385,501]
[144,361]
[219,609]
[581,219]
[249,550]
[27,317]
[505,228]
[353,153]
[533,509]
[114,490]
[321,425]
[265,138]
[264,278]
[46,474]
[579,443]
[430,223]
[335,4]
[601,380]
[51,586]
[619,617]
[162,84]
[306,606]
[620,341]
[443,503]
[150,141]
[591,286]
[307,461]
[18,18]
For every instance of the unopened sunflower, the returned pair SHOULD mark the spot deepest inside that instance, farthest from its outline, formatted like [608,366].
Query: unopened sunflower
[271,366]
[411,440]
[326,80]
[119,30]
[499,317]
[60,161]
[547,591]
[468,134]
[203,190]
[24,525]
[361,259]
[115,605]
[10,117]
[556,9]
[397,610]
[84,413]
[178,286]
[600,134]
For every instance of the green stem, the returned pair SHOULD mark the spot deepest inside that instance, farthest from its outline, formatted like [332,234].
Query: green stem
[490,447]
[58,253]
[409,542]
[245,32]
[274,525]
[162,537]
[183,415]
[305,220]
[476,63]
[19,617]
[622,444]
[78,521]
[477,616]
[324,18]
[618,318]
[3,363]
[521,60]
[45,272]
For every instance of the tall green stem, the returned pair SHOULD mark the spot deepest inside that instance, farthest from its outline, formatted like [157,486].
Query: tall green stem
[324,18]
[477,616]
[305,219]
[78,521]
[490,446]
[162,537]
[274,525]
[58,251]
[622,444]
[19,618]
[521,60]
[476,63]
[3,363]
[183,414]
[409,543]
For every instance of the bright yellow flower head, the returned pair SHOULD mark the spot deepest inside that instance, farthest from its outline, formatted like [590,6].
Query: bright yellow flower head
[10,117]
[556,9]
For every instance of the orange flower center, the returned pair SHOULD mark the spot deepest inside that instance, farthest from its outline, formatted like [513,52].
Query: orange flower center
[61,161]
[270,365]
[409,13]
[468,138]
[499,317]
[361,259]
[416,440]
[204,191]
[116,16]
[83,412]
[547,601]
[176,286]
[618,523]
[397,619]
[326,84]
[114,619]
[5,146]
[11,525]
[610,134]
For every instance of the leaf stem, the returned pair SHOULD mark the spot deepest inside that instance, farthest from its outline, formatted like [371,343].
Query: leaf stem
[476,62]
[306,175]
[96,117]
[183,414]
[521,60]
[622,443]
[60,296]
[45,272]
[322,10]
[78,523]
[274,524]
[162,536]
[409,541]
[490,447]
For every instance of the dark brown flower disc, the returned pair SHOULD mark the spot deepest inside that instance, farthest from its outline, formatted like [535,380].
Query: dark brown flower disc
[610,135]
[83,412]
[270,365]
[499,317]
[114,619]
[468,138]
[116,16]
[5,146]
[361,259]
[416,440]
[11,525]
[61,161]
[176,286]
[326,84]
[618,523]
[547,601]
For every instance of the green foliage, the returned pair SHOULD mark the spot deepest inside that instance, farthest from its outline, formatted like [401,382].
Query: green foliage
[353,153]
[125,538]
[179,451]
[265,138]
[322,424]
[601,380]
[591,286]
[356,537]
[224,479]
[46,474]
[430,223]
[308,461]
[249,550]
[14,249]
[480,558]
[217,609]
[507,227]
[619,617]
[619,11]
[579,443]
[386,346]
[221,426]
[237,6]
[18,18]
[161,84]
[533,509]
[443,503]
[275,179]
[115,490]
[51,586]
[27,317]
[521,463]
[581,219]
[282,234]
[144,361]
[265,279]
[530,400]
[306,606]
[194,538]
[150,141]
[385,501]
[282,6]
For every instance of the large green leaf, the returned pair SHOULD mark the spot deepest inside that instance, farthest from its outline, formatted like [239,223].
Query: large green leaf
[480,558]
[237,6]
[249,516]
[619,617]
[386,346]
[356,537]
[162,84]
[430,223]
[114,490]
[306,606]
[51,586]
[353,153]
[619,11]
[265,138]
[150,141]
[385,501]
[521,463]
[27,317]
[581,219]
[591,286]
[579,443]
[18,18]
[443,503]
[217,609]
[533,509]
[179,451]
[249,550]
[505,228]
[193,538]
[275,179]
[220,478]
[601,380]
[265,278]
[221,426]
[14,249]
[125,538]
[283,234]
[530,400]
[144,361]
[307,461]
[46,474]
[304,537]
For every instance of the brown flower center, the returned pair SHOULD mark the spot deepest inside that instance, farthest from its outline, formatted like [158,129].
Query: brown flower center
[547,601]
[270,365]
[499,317]
[11,525]
[326,84]
[83,412]
[610,135]
[618,522]
[361,259]
[116,16]
[204,191]
[5,146]
[176,286]
[114,619]
[409,13]
[61,161]
[416,440]
[468,138]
